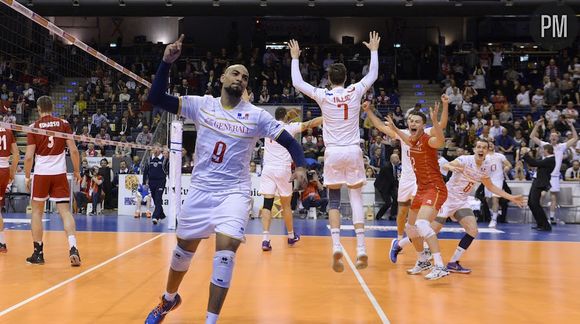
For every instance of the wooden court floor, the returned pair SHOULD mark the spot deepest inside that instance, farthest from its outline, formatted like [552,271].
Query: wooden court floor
[123,275]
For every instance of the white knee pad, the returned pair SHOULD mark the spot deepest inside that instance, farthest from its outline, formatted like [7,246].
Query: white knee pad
[356,203]
[223,267]
[181,259]
[411,231]
[424,228]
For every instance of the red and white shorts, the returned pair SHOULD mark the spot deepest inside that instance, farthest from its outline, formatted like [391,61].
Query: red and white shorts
[433,196]
[53,186]
[4,177]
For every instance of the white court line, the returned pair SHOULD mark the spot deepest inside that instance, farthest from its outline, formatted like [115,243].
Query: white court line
[366,289]
[102,264]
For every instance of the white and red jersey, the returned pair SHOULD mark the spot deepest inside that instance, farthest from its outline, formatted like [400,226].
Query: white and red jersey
[496,167]
[6,141]
[407,173]
[276,155]
[50,150]
[461,184]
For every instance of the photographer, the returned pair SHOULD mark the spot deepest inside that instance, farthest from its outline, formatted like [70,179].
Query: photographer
[311,195]
[90,189]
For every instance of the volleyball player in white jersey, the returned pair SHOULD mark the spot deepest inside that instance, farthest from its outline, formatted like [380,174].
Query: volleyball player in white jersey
[275,178]
[559,149]
[468,172]
[343,158]
[218,200]
[407,182]
[499,166]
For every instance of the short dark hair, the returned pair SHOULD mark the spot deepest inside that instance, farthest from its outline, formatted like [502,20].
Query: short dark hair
[337,73]
[549,148]
[44,103]
[482,141]
[420,114]
[280,113]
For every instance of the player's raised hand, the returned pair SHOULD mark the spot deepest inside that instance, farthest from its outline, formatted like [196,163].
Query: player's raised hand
[294,49]
[434,112]
[374,41]
[444,99]
[540,121]
[519,200]
[172,51]
[300,175]
[391,123]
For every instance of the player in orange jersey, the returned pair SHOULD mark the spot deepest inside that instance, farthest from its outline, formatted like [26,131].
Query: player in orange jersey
[431,189]
[7,147]
[50,181]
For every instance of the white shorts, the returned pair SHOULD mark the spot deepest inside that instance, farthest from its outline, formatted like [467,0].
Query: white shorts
[276,180]
[453,204]
[204,213]
[496,182]
[344,165]
[407,189]
[555,184]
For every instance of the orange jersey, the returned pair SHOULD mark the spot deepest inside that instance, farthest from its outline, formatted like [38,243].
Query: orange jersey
[6,141]
[425,163]
[50,150]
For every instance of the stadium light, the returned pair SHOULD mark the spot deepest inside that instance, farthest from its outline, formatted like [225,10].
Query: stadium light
[408,3]
[122,3]
[216,3]
[168,3]
[30,3]
[360,3]
[311,3]
[75,3]
[263,3]
[509,3]
[458,3]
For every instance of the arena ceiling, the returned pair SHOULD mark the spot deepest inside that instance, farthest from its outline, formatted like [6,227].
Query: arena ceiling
[346,8]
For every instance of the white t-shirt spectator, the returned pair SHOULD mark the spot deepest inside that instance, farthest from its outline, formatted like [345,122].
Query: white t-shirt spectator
[495,131]
[572,175]
[144,139]
[478,123]
[497,58]
[28,94]
[131,85]
[485,108]
[455,99]
[570,113]
[523,99]
[538,100]
[553,116]
[124,97]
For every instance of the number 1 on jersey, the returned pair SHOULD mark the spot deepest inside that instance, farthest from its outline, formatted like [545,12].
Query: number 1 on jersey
[3,144]
[345,107]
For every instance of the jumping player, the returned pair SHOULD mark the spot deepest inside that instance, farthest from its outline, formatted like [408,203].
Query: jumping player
[276,176]
[218,200]
[7,171]
[50,181]
[343,157]
[499,166]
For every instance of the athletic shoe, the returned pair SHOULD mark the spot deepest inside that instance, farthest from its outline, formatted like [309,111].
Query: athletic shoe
[36,258]
[3,248]
[492,224]
[137,215]
[419,267]
[456,267]
[155,221]
[395,250]
[362,259]
[148,214]
[437,273]
[292,241]
[158,313]
[266,246]
[75,258]
[337,264]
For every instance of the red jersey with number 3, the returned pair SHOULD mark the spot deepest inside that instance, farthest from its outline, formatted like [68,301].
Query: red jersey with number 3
[6,141]
[425,163]
[50,150]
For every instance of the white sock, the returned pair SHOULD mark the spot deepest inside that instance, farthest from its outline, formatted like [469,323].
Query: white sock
[72,241]
[2,240]
[335,234]
[169,297]
[291,234]
[438,260]
[211,318]
[360,237]
[552,215]
[494,216]
[266,235]
[399,237]
[404,242]
[458,253]
[421,257]
[425,245]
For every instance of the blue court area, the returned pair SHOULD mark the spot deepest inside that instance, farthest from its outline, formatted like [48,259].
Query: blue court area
[310,227]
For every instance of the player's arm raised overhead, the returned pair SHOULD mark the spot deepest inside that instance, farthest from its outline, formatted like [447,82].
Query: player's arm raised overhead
[373,46]
[311,123]
[534,133]
[518,200]
[445,113]
[574,138]
[157,95]
[297,80]
[437,139]
[404,137]
[377,122]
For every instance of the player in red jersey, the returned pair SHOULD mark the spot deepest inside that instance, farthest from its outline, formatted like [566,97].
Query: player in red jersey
[50,181]
[431,189]
[7,147]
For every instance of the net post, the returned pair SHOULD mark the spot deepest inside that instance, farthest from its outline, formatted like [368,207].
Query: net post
[175,172]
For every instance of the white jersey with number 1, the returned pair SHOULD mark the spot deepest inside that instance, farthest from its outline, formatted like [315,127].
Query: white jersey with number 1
[276,155]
